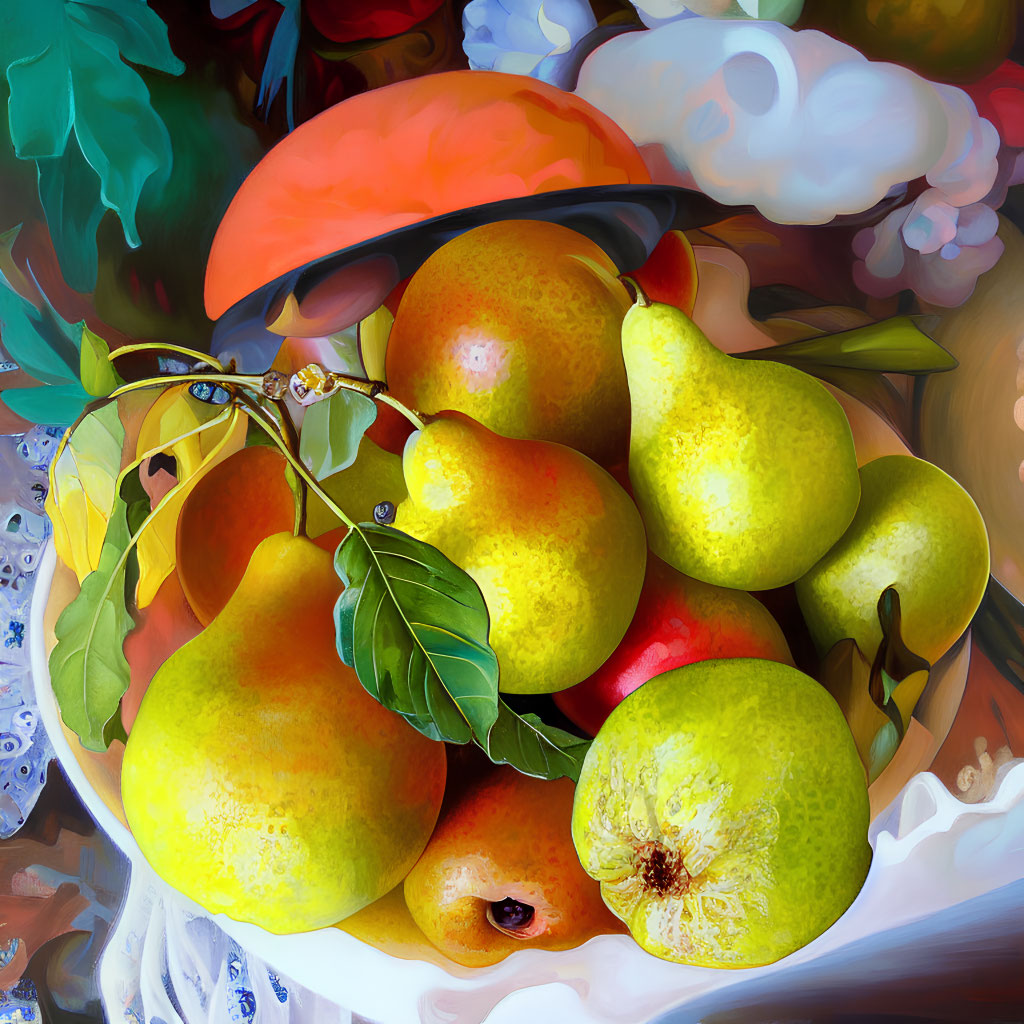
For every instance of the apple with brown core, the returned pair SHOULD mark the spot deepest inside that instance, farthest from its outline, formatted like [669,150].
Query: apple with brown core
[678,621]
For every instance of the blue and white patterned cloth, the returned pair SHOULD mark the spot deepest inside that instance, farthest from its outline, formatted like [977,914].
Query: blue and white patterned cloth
[25,750]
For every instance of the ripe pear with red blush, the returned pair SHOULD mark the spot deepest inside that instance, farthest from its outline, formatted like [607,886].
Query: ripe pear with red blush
[500,873]
[679,620]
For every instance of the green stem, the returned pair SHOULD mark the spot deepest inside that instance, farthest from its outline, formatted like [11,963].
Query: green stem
[186,378]
[377,391]
[287,432]
[153,346]
[254,412]
[410,414]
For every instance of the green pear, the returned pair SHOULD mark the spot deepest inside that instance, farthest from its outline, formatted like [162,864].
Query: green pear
[917,530]
[554,543]
[744,471]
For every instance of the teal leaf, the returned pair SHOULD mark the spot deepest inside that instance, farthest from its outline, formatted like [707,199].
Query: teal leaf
[65,62]
[121,137]
[133,27]
[73,211]
[88,670]
[56,405]
[414,626]
[534,748]
[332,430]
[40,341]
[40,107]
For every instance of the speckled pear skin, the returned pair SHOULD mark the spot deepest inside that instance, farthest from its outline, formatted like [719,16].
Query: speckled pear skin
[724,809]
[918,530]
[554,543]
[260,779]
[744,470]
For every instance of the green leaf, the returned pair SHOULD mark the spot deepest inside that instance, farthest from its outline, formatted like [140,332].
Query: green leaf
[414,627]
[65,62]
[332,430]
[41,342]
[785,11]
[73,210]
[40,109]
[88,670]
[99,377]
[139,508]
[534,748]
[896,345]
[883,747]
[877,699]
[50,405]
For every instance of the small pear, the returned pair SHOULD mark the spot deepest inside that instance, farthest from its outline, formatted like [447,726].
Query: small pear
[917,530]
[554,543]
[744,471]
[260,779]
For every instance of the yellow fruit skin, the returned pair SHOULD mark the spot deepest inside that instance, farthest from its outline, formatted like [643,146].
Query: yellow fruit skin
[917,530]
[516,323]
[375,476]
[744,471]
[554,543]
[746,773]
[260,779]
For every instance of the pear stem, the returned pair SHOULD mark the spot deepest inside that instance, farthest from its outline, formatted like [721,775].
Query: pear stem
[288,434]
[378,391]
[254,412]
[155,346]
[641,297]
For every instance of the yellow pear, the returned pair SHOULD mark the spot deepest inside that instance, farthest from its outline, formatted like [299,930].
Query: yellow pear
[916,530]
[744,471]
[374,477]
[260,779]
[554,543]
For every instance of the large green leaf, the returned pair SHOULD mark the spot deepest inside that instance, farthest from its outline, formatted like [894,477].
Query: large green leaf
[332,430]
[414,627]
[70,85]
[526,743]
[88,670]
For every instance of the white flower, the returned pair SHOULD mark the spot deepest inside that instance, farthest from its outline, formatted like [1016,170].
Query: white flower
[525,37]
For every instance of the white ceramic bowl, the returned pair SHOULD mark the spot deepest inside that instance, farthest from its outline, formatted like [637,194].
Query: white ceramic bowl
[918,869]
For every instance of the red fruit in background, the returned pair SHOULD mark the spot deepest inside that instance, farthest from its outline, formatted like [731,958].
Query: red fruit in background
[670,273]
[678,621]
[345,21]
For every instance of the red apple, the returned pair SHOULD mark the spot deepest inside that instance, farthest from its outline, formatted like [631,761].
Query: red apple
[678,620]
